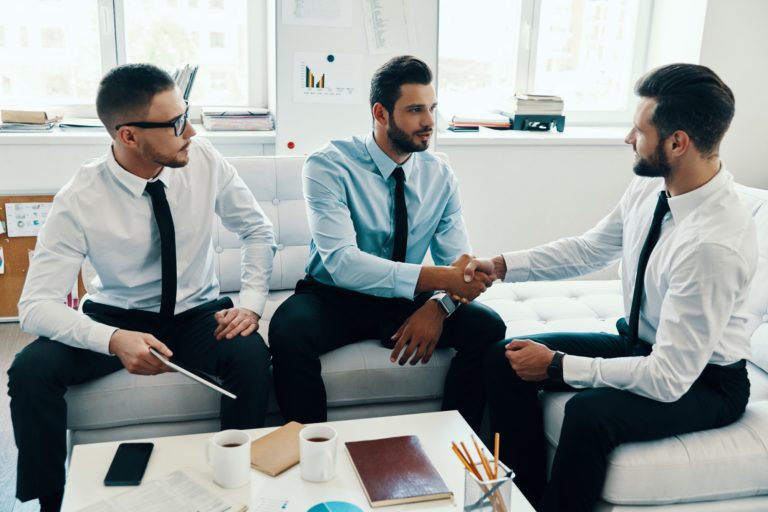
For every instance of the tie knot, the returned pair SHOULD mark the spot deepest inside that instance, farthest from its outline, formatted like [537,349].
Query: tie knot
[399,175]
[155,188]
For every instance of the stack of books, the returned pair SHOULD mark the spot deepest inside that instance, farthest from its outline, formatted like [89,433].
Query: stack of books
[534,104]
[237,118]
[488,120]
[26,121]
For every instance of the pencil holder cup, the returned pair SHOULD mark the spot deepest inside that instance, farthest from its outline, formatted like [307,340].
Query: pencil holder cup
[491,495]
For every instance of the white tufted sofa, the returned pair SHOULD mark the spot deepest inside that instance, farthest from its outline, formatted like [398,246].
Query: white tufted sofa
[728,467]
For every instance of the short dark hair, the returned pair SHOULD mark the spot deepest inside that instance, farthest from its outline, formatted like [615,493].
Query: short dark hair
[128,91]
[386,82]
[691,98]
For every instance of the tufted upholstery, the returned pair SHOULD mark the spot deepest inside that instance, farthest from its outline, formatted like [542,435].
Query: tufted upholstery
[728,466]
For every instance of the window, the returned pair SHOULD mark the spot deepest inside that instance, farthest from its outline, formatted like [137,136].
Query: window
[51,51]
[60,50]
[590,52]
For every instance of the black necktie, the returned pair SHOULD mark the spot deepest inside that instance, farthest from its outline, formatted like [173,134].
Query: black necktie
[401,217]
[164,220]
[662,207]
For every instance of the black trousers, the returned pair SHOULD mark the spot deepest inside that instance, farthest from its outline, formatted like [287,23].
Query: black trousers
[44,369]
[319,318]
[596,420]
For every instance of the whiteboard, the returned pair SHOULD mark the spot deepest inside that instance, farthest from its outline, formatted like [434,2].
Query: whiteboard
[326,52]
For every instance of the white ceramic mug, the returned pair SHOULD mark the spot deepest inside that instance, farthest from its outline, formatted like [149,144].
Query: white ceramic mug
[317,453]
[229,455]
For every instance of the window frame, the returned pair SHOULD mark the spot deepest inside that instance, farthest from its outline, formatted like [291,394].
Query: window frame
[530,18]
[112,39]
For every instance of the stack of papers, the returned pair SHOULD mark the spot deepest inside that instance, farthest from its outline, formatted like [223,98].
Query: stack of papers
[237,118]
[25,127]
[534,104]
[26,121]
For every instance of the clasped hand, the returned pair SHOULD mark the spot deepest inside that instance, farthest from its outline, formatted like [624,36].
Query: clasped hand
[463,287]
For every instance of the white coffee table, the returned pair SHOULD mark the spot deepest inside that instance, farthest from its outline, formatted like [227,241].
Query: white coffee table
[435,430]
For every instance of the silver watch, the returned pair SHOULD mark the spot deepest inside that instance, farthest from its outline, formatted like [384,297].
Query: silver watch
[446,302]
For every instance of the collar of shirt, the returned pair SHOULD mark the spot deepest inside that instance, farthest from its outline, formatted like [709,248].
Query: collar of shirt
[134,184]
[386,165]
[683,205]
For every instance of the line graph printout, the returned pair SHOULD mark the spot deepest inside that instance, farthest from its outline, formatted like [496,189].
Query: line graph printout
[327,78]
[318,13]
[386,26]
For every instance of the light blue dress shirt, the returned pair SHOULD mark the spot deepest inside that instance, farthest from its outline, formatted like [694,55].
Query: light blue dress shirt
[350,190]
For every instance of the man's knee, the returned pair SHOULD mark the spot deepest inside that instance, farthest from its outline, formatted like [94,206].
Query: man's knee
[249,351]
[486,323]
[290,332]
[31,368]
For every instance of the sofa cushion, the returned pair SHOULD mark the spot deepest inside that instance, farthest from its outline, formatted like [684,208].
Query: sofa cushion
[713,464]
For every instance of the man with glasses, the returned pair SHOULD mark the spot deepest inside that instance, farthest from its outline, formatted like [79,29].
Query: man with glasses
[142,215]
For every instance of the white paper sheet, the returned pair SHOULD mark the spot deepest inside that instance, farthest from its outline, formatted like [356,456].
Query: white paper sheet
[26,219]
[386,26]
[176,492]
[2,261]
[327,78]
[319,13]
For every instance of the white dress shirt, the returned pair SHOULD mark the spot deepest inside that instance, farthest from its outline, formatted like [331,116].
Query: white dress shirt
[696,284]
[103,214]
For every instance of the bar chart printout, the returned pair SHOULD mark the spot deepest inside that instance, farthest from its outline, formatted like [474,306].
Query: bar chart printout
[327,78]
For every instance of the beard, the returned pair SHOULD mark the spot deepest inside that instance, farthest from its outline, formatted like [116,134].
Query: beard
[402,141]
[654,167]
[174,161]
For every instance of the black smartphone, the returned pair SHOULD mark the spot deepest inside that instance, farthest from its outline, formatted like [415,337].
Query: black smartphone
[129,463]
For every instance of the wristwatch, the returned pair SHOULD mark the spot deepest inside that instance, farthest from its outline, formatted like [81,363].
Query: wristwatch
[555,368]
[446,302]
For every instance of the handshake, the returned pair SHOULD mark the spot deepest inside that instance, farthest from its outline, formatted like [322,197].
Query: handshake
[468,276]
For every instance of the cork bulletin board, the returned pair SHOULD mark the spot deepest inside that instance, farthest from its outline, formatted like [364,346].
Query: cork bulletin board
[16,255]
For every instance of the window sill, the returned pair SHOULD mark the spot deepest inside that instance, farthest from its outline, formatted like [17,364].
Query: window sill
[572,136]
[89,136]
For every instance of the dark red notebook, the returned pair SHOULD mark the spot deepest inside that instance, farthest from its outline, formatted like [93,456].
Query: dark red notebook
[396,470]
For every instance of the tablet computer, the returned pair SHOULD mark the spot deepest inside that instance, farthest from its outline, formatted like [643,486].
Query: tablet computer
[199,377]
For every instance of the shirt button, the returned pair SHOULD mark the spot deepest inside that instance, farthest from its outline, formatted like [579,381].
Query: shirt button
[275,201]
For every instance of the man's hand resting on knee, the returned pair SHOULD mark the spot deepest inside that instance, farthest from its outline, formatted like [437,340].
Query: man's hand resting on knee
[419,334]
[132,348]
[234,321]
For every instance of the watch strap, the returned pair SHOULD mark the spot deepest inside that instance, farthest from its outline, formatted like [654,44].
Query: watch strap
[555,368]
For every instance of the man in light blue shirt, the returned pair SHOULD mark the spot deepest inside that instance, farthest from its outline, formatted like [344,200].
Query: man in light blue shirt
[376,204]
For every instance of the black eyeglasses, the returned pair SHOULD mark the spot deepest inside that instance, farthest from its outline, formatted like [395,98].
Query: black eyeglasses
[179,124]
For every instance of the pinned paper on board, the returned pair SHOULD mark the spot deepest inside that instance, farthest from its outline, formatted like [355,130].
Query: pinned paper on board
[327,78]
[319,13]
[2,261]
[386,26]
[26,219]
[2,227]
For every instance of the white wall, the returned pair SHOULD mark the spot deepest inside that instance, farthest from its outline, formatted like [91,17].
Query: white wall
[735,46]
[515,197]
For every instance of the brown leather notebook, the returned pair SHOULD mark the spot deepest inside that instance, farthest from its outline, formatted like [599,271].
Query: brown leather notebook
[396,470]
[277,451]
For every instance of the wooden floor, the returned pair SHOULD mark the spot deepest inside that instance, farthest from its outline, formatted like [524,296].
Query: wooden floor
[11,341]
